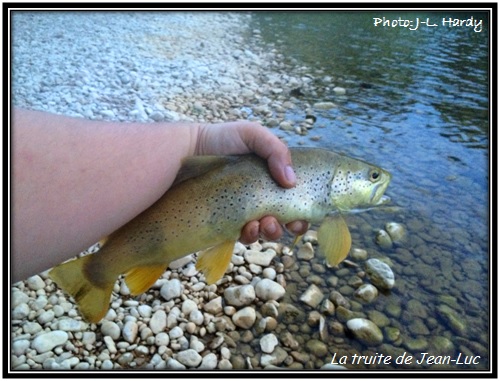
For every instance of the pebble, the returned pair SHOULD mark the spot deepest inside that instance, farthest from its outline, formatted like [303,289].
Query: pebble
[380,274]
[268,343]
[32,327]
[260,258]
[72,325]
[317,347]
[22,311]
[19,347]
[239,296]
[189,358]
[109,328]
[175,333]
[359,254]
[365,331]
[214,306]
[158,322]
[324,105]
[35,283]
[145,310]
[306,252]
[244,318]
[48,341]
[266,289]
[312,296]
[129,331]
[366,292]
[171,289]
[339,90]
[209,362]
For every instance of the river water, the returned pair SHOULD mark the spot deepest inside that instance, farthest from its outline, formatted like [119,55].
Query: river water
[417,104]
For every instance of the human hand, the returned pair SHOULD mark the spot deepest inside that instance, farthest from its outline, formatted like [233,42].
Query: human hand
[245,137]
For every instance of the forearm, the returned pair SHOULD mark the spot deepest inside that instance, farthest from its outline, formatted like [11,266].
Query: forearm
[75,181]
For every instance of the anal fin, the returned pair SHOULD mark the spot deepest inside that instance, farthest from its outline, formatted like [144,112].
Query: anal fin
[140,279]
[214,261]
[334,239]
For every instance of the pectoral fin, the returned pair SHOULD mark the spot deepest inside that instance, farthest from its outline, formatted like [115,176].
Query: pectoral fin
[334,239]
[140,279]
[214,261]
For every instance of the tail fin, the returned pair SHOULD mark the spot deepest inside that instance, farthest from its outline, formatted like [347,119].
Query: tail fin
[92,300]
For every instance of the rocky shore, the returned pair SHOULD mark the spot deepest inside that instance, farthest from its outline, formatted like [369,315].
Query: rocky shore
[277,306]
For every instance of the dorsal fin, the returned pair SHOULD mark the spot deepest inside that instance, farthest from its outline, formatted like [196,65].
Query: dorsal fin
[195,166]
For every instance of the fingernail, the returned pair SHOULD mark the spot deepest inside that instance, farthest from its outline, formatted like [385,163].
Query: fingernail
[271,229]
[290,174]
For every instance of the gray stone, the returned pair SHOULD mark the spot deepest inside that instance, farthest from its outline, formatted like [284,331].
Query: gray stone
[214,306]
[324,105]
[174,364]
[366,292]
[244,318]
[365,331]
[275,358]
[380,274]
[239,296]
[317,347]
[306,252]
[48,341]
[312,296]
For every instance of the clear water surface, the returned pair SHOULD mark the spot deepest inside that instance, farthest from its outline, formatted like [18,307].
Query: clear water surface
[417,105]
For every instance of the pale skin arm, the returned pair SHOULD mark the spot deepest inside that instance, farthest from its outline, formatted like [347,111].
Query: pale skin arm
[75,181]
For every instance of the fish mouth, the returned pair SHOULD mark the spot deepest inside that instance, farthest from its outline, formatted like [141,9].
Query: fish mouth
[377,196]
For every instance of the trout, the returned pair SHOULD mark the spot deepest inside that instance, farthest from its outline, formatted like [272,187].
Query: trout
[212,198]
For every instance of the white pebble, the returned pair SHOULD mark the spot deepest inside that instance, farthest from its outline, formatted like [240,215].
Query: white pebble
[129,331]
[266,289]
[268,343]
[175,333]
[35,283]
[158,321]
[144,310]
[109,328]
[171,289]
[209,361]
[162,339]
[48,341]
[189,358]
[269,273]
[22,311]
[188,306]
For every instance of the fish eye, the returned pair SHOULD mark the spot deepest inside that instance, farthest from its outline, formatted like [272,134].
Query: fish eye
[374,175]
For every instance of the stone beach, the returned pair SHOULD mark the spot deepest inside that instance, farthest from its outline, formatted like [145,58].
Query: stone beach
[277,306]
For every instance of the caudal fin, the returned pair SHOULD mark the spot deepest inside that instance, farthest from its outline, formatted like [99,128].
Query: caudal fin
[92,300]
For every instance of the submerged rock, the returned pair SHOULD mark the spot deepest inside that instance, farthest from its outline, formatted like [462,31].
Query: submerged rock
[312,296]
[365,331]
[380,274]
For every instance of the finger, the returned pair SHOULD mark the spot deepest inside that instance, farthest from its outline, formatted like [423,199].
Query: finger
[268,146]
[250,233]
[270,228]
[298,227]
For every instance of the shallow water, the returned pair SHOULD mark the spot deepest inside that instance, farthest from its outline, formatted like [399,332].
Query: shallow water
[417,105]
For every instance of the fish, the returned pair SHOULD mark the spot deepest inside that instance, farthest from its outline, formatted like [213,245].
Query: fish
[204,210]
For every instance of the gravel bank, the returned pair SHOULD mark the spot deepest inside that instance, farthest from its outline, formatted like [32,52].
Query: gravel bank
[203,67]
